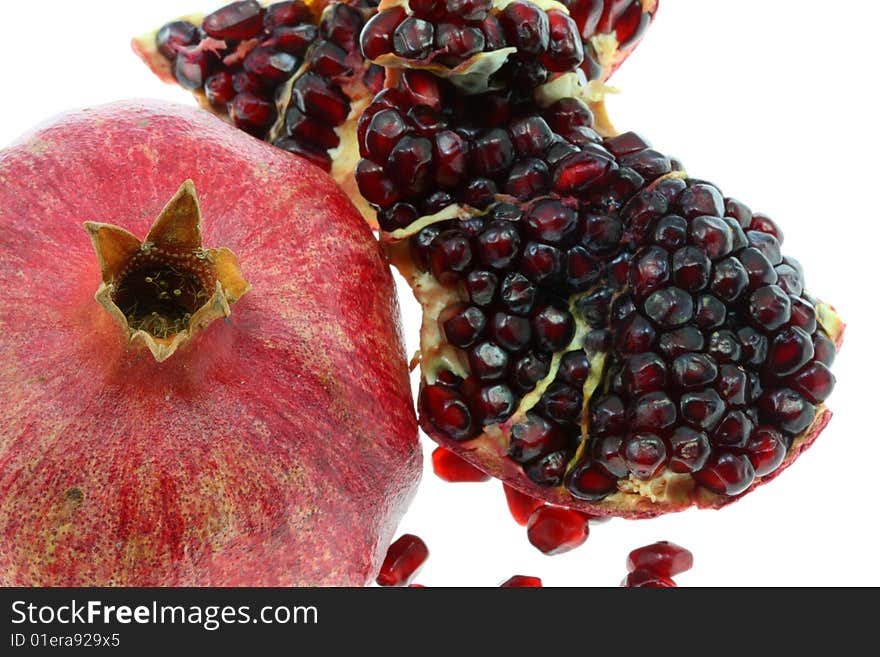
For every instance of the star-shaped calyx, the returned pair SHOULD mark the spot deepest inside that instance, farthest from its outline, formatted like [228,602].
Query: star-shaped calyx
[166,288]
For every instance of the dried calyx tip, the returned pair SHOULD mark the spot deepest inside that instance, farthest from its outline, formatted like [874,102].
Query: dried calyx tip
[163,289]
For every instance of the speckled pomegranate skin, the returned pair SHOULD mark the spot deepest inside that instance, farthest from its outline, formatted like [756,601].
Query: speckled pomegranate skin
[278,447]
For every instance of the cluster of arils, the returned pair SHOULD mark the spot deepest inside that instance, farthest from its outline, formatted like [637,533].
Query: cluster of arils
[280,72]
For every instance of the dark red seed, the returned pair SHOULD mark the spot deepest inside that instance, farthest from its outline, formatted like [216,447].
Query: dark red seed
[528,178]
[297,124]
[711,234]
[591,483]
[450,156]
[548,470]
[409,163]
[565,50]
[249,83]
[294,40]
[691,268]
[726,474]
[766,450]
[688,450]
[269,65]
[555,530]
[492,153]
[562,402]
[467,10]
[488,361]
[522,581]
[404,559]
[494,404]
[567,113]
[702,410]
[815,382]
[789,279]
[608,415]
[498,245]
[426,121]
[754,346]
[526,27]
[739,211]
[579,171]
[647,579]
[458,41]
[733,385]
[710,312]
[700,199]
[635,336]
[521,505]
[671,232]
[413,38]
[384,131]
[529,370]
[237,20]
[691,371]
[518,294]
[769,307]
[481,287]
[219,89]
[534,437]
[734,430]
[765,224]
[374,183]
[342,25]
[551,221]
[425,8]
[447,411]
[191,67]
[669,307]
[251,113]
[377,36]
[512,332]
[786,409]
[452,468]
[531,136]
[541,263]
[422,88]
[654,411]
[329,60]
[493,33]
[464,327]
[553,328]
[574,368]
[680,341]
[790,349]
[644,454]
[174,36]
[581,268]
[314,154]
[601,233]
[399,215]
[650,270]
[287,13]
[321,99]
[607,453]
[766,244]
[664,558]
[824,349]
[758,268]
[650,164]
[643,373]
[724,347]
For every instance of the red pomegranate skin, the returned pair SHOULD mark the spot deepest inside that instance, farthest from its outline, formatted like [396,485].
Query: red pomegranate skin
[277,447]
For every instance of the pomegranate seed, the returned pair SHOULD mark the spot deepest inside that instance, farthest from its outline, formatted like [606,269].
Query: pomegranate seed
[374,183]
[459,41]
[646,578]
[317,97]
[452,468]
[553,328]
[529,370]
[272,66]
[766,449]
[663,558]
[174,36]
[688,449]
[700,200]
[422,88]
[488,361]
[191,67]
[329,60]
[465,327]
[565,51]
[377,36]
[294,40]
[790,349]
[467,10]
[579,171]
[493,404]
[521,505]
[413,38]
[534,437]
[726,474]
[522,581]
[342,24]
[286,14]
[526,27]
[251,113]
[644,455]
[554,530]
[815,382]
[764,224]
[769,307]
[627,143]
[824,349]
[591,483]
[237,20]
[492,153]
[405,557]
[786,409]
[219,89]
[447,410]
[384,131]
[766,244]
[304,128]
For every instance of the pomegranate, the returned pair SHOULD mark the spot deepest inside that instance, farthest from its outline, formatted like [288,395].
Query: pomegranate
[206,398]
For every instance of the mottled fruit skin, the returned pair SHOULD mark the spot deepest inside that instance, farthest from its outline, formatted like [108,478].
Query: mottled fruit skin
[276,448]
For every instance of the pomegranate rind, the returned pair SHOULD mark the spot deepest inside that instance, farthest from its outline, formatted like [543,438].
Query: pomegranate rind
[222,465]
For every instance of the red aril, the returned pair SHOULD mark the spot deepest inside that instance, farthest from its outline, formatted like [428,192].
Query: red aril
[522,581]
[554,530]
[664,558]
[452,468]
[647,578]
[404,559]
[521,506]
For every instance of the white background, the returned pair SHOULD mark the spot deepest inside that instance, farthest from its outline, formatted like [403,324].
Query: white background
[774,101]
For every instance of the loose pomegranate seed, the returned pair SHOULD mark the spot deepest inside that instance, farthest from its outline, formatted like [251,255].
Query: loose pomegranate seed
[521,506]
[554,530]
[405,557]
[237,20]
[174,36]
[522,581]
[454,469]
[646,578]
[663,558]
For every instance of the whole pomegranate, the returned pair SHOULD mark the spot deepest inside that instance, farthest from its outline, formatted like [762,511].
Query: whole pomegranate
[213,393]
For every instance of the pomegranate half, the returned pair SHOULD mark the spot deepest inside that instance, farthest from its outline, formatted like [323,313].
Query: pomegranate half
[213,393]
